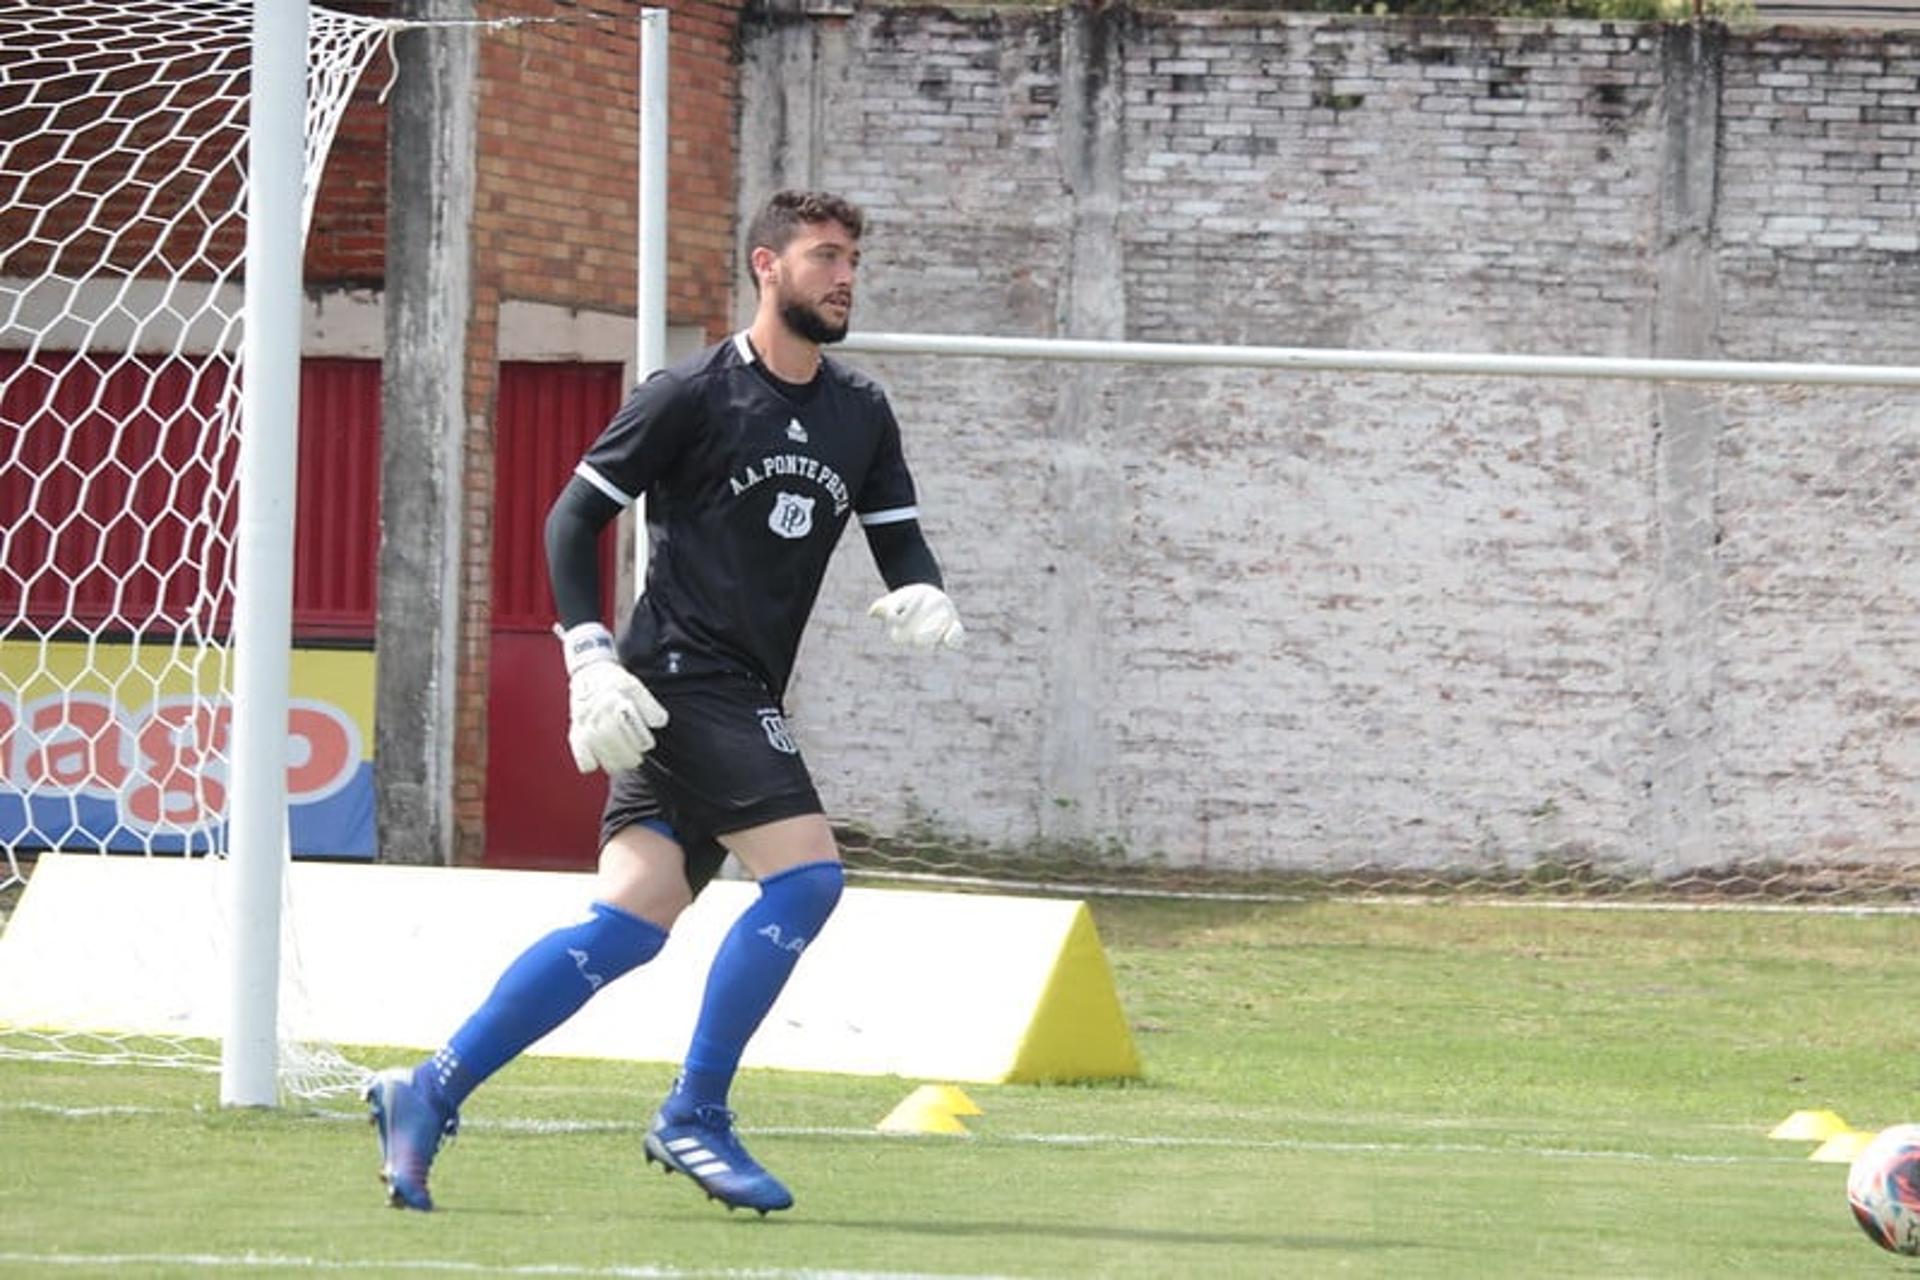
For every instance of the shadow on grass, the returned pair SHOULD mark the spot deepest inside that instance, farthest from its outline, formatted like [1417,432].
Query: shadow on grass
[1103,1233]
[1011,1231]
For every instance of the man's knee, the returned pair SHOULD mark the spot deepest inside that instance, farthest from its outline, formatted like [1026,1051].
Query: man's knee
[614,941]
[808,892]
[783,844]
[644,873]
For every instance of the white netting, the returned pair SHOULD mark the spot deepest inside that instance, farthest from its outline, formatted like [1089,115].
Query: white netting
[122,231]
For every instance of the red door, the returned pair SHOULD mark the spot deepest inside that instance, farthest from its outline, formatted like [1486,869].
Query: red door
[540,812]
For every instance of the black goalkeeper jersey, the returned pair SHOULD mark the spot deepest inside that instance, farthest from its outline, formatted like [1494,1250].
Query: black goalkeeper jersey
[748,483]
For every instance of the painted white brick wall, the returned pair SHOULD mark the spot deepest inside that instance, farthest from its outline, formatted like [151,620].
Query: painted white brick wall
[1246,619]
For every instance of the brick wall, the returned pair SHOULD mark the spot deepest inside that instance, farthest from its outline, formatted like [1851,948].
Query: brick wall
[1257,619]
[555,210]
[558,182]
[346,245]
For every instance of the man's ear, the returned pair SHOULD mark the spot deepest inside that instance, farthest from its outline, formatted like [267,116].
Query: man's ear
[762,259]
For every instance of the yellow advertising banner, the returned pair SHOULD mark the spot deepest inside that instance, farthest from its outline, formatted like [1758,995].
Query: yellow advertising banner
[127,746]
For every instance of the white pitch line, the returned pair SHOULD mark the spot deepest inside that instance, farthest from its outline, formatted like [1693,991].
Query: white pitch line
[1330,1146]
[1303,1144]
[83,1113]
[251,1261]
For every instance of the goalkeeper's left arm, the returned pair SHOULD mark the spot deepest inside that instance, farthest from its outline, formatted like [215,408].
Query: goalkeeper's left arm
[916,610]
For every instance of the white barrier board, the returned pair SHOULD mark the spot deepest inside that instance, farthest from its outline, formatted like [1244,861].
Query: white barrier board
[983,988]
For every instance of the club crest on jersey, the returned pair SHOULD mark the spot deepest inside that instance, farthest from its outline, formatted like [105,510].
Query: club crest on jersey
[792,515]
[775,725]
[796,432]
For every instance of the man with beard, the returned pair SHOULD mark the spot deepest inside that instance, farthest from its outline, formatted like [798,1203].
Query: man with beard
[752,456]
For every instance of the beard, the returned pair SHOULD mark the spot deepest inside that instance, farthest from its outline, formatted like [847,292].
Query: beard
[810,324]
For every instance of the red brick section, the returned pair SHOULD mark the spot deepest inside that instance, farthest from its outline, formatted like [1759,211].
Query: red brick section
[557,180]
[555,209]
[555,214]
[346,244]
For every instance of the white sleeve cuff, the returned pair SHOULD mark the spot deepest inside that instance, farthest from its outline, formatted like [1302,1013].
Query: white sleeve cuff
[603,484]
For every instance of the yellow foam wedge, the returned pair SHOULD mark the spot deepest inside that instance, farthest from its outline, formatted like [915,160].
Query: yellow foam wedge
[1078,1030]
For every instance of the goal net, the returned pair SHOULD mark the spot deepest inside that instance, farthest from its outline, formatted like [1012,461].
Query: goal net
[123,132]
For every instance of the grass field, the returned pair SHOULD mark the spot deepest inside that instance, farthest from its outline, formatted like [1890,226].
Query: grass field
[1331,1090]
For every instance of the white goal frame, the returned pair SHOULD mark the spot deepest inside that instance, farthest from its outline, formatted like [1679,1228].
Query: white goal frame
[263,585]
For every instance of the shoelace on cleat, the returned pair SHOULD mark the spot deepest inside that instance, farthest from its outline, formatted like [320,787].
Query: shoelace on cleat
[714,1116]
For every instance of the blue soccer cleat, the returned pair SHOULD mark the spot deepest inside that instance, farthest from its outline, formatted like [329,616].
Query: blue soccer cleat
[411,1125]
[705,1149]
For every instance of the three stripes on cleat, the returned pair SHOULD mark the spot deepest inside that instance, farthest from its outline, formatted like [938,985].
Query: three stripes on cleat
[699,1161]
[702,1163]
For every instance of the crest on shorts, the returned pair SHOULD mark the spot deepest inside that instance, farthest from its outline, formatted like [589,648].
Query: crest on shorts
[775,725]
[792,515]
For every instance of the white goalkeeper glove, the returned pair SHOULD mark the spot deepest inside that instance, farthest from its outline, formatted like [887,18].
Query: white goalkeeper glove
[612,714]
[920,615]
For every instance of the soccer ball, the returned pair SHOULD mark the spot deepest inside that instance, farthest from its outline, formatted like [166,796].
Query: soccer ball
[1883,1189]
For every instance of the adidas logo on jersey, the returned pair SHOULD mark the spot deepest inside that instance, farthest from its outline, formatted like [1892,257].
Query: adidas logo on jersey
[795,431]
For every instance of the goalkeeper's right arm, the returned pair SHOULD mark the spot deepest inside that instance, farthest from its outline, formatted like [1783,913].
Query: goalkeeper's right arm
[611,714]
[573,530]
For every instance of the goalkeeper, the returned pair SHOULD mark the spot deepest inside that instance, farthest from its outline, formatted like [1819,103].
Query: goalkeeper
[752,457]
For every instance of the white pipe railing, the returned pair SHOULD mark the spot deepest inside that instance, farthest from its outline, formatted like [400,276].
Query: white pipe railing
[1311,359]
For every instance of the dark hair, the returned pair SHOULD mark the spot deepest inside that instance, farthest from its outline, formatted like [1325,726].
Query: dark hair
[785,212]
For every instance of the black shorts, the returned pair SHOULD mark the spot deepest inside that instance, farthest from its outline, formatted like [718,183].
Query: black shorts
[723,763]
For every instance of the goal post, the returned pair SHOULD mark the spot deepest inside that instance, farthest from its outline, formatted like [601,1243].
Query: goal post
[263,590]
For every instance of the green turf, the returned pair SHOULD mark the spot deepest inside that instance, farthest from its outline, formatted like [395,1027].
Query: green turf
[1331,1090]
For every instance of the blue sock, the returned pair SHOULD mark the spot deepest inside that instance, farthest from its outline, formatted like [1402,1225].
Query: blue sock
[540,990]
[753,964]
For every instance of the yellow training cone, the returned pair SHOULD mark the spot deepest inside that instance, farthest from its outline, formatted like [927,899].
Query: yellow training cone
[930,1109]
[1810,1126]
[1842,1148]
[953,1099]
